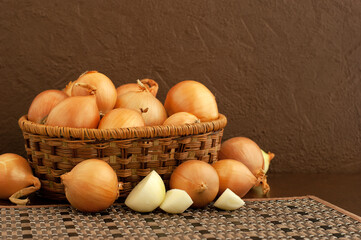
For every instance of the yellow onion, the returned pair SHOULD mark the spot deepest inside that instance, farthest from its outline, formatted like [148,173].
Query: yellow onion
[121,118]
[150,107]
[91,186]
[43,103]
[244,150]
[106,92]
[181,118]
[16,178]
[237,177]
[192,97]
[76,112]
[133,87]
[199,179]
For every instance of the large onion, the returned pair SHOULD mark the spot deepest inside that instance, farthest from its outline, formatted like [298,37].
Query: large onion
[236,176]
[133,87]
[76,112]
[199,179]
[106,92]
[192,97]
[91,186]
[121,118]
[16,178]
[43,103]
[150,107]
[244,150]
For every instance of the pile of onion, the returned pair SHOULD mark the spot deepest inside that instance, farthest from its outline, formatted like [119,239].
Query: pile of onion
[91,186]
[249,153]
[192,97]
[150,107]
[199,179]
[106,93]
[16,178]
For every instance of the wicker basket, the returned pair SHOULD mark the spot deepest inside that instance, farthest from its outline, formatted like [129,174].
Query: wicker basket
[132,152]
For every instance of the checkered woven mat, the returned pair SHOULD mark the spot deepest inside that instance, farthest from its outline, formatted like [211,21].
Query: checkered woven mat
[305,217]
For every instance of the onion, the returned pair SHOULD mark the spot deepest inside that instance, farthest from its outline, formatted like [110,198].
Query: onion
[91,186]
[16,178]
[43,103]
[143,101]
[192,97]
[106,92]
[76,112]
[236,176]
[199,179]
[133,87]
[244,150]
[121,118]
[181,118]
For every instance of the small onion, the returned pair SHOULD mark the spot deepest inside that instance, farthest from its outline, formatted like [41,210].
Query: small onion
[235,176]
[121,118]
[76,112]
[16,178]
[199,179]
[192,97]
[91,186]
[106,92]
[181,118]
[133,87]
[43,103]
[150,107]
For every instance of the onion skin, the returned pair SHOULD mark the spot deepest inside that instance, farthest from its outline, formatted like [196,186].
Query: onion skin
[244,150]
[235,176]
[199,179]
[68,88]
[144,102]
[181,118]
[121,118]
[192,97]
[43,103]
[91,186]
[106,92]
[75,112]
[16,178]
[133,87]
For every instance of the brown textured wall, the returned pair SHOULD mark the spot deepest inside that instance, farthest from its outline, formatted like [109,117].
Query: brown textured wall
[285,73]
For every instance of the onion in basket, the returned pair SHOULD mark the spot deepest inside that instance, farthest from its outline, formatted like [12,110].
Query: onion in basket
[16,178]
[143,101]
[192,97]
[106,92]
[133,87]
[43,103]
[121,118]
[181,118]
[76,112]
[91,186]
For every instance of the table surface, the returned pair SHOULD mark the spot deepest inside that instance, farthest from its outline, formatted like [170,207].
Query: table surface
[342,190]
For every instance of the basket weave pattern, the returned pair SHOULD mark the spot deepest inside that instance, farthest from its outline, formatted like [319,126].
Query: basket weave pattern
[132,152]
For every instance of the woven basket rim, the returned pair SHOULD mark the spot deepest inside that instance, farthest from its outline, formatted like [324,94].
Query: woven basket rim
[122,133]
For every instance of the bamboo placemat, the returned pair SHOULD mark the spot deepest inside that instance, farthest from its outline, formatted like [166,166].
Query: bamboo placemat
[306,217]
